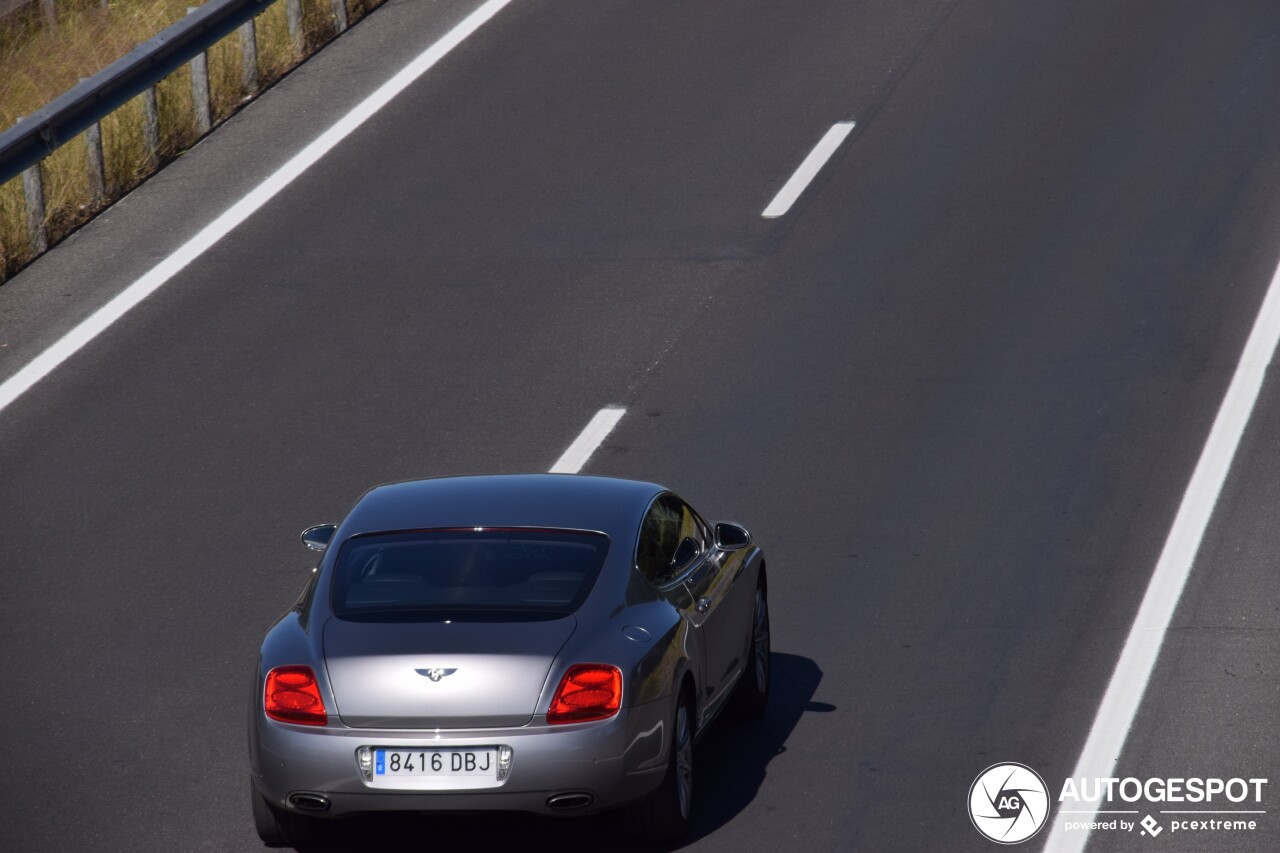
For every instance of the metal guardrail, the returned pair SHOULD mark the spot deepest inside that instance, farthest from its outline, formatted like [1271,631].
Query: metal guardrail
[25,147]
[39,134]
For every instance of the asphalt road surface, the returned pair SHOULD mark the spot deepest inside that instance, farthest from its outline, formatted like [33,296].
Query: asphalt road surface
[956,392]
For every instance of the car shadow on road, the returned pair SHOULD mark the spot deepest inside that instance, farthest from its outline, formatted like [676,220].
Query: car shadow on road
[732,763]
[733,760]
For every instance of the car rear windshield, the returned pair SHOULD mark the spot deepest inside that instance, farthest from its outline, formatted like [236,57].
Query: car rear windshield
[473,574]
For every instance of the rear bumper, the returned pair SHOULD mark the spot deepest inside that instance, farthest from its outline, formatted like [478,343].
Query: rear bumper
[347,805]
[614,762]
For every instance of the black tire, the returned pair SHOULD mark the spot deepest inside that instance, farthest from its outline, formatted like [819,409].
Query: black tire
[277,827]
[751,696]
[664,816]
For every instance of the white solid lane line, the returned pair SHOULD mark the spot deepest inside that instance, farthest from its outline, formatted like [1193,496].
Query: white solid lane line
[1129,680]
[589,440]
[149,283]
[817,158]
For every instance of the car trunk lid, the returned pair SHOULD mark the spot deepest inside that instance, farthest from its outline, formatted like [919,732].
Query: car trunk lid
[446,675]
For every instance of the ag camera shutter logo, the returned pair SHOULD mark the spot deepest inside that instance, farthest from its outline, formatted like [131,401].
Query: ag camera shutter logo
[1008,803]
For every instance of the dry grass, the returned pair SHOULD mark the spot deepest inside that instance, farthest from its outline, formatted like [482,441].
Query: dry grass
[38,64]
[318,23]
[226,81]
[125,158]
[275,50]
[88,38]
[14,250]
[66,189]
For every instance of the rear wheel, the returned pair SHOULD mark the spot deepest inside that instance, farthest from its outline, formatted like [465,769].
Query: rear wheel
[277,827]
[751,696]
[664,816]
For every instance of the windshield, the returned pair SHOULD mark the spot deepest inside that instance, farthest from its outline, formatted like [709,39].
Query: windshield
[472,574]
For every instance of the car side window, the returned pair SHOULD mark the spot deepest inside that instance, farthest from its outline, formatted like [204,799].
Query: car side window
[671,539]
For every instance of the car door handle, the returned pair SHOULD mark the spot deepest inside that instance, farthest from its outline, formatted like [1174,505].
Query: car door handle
[704,604]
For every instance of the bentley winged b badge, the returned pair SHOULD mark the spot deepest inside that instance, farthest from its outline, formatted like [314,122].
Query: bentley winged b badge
[436,673]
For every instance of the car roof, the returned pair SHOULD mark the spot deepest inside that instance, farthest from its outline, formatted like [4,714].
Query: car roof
[570,501]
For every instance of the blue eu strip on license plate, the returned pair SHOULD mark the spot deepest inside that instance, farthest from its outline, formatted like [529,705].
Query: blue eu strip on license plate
[380,763]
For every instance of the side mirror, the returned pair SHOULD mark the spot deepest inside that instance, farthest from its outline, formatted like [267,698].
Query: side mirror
[731,537]
[317,538]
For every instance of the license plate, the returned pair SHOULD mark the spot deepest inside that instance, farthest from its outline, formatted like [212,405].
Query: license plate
[435,762]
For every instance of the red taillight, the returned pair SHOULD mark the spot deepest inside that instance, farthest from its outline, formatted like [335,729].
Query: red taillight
[588,691]
[292,696]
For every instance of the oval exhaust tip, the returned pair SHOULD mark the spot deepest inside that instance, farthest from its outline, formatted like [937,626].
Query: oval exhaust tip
[574,800]
[309,802]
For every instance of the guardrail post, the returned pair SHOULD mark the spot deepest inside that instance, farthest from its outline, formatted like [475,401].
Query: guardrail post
[293,14]
[33,194]
[93,159]
[200,88]
[150,126]
[249,57]
[340,15]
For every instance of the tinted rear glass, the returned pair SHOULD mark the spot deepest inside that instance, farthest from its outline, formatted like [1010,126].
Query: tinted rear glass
[466,575]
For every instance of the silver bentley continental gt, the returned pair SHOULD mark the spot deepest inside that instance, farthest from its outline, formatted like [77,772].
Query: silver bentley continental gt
[542,643]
